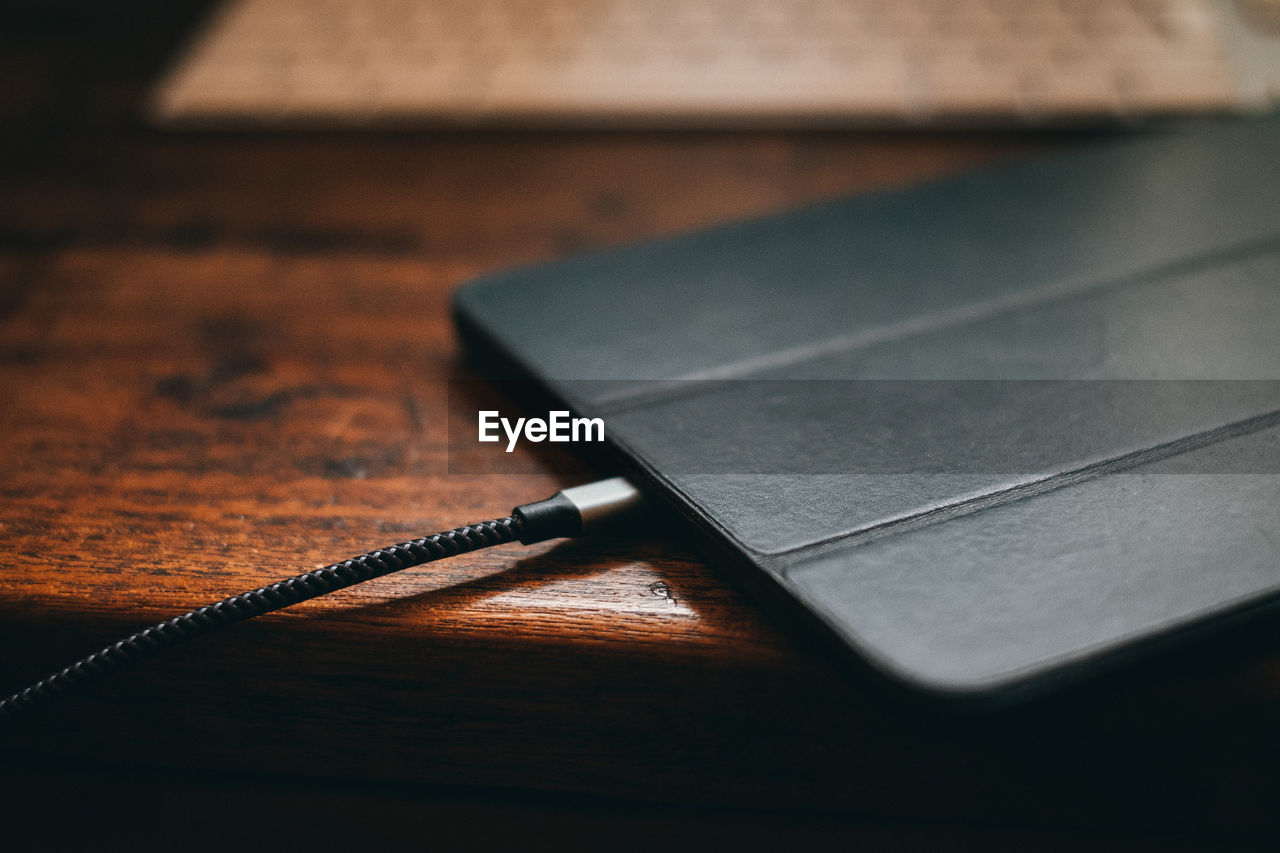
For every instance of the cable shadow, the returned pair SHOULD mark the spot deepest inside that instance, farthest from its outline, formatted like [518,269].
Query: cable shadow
[574,559]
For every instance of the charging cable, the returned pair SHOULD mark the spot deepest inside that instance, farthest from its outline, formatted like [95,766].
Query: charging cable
[572,512]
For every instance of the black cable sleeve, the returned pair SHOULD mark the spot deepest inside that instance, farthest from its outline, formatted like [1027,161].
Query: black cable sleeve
[276,596]
[553,518]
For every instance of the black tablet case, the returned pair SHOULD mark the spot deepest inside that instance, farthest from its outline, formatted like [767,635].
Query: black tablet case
[991,431]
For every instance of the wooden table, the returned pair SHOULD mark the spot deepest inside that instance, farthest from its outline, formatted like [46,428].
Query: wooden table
[225,358]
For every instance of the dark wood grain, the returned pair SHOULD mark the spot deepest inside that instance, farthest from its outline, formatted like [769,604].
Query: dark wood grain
[225,359]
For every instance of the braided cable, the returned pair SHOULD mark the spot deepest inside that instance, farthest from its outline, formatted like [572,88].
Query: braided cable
[276,596]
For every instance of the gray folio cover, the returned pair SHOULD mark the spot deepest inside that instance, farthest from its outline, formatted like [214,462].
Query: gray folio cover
[990,430]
